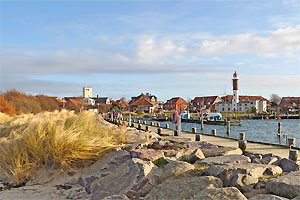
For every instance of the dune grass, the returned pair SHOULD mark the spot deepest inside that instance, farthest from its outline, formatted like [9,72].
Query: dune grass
[63,139]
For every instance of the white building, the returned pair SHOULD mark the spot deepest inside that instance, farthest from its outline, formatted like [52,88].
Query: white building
[237,103]
[87,92]
[88,101]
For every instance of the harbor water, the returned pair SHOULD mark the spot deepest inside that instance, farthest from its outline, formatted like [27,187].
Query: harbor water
[256,130]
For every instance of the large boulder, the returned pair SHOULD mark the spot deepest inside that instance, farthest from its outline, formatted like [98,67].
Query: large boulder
[115,174]
[174,168]
[242,181]
[287,165]
[286,186]
[220,151]
[184,188]
[219,193]
[267,197]
[218,160]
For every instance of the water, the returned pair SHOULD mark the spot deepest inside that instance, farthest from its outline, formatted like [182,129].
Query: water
[256,130]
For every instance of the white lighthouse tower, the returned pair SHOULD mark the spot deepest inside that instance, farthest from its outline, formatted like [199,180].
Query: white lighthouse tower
[235,99]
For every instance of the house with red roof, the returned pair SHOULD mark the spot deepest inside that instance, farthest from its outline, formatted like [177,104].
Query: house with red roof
[290,105]
[142,104]
[205,102]
[176,103]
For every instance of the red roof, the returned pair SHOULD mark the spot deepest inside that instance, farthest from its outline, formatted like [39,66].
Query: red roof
[244,98]
[206,99]
[289,101]
[141,102]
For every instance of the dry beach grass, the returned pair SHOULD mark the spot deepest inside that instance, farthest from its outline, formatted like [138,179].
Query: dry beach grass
[63,139]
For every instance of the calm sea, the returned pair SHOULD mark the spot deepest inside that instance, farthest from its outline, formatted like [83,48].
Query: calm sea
[256,130]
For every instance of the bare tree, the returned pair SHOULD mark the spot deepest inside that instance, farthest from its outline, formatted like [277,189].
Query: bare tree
[275,98]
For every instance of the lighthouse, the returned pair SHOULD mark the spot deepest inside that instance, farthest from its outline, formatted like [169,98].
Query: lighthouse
[235,98]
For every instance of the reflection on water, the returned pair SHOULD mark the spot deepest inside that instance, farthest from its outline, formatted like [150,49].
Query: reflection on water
[256,130]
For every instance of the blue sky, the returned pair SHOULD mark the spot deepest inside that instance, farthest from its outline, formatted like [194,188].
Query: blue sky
[168,48]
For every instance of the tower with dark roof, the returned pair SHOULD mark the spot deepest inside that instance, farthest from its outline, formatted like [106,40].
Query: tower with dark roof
[235,99]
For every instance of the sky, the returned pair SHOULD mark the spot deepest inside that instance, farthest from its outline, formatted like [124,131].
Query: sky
[166,48]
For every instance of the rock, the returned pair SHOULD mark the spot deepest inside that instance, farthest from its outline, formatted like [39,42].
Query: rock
[287,165]
[218,160]
[116,197]
[286,186]
[267,197]
[220,193]
[174,168]
[184,188]
[227,171]
[146,154]
[273,170]
[268,160]
[296,198]
[115,174]
[221,151]
[196,155]
[242,180]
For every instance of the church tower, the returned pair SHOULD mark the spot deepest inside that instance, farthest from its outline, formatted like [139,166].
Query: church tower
[87,92]
[235,99]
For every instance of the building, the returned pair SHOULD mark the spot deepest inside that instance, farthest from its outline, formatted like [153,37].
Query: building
[141,102]
[176,103]
[101,100]
[205,103]
[87,92]
[237,103]
[290,105]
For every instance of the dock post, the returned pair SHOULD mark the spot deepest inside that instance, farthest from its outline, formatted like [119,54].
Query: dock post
[147,128]
[287,140]
[139,127]
[292,142]
[145,122]
[194,130]
[176,133]
[228,128]
[202,124]
[214,132]
[198,137]
[279,128]
[167,126]
[242,145]
[152,123]
[139,121]
[242,136]
[158,124]
[293,155]
[158,131]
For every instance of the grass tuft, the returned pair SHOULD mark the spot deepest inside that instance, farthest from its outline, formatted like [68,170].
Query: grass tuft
[62,139]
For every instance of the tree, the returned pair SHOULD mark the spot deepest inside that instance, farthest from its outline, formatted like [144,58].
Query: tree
[275,98]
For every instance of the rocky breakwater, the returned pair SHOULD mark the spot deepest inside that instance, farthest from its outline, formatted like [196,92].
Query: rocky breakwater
[167,167]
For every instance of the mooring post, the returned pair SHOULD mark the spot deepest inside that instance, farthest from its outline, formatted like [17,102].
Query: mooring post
[198,137]
[167,126]
[242,136]
[147,128]
[214,132]
[194,130]
[287,140]
[228,127]
[279,128]
[202,124]
[293,155]
[152,123]
[158,130]
[144,122]
[158,124]
[292,142]
[242,145]
[139,127]
[176,133]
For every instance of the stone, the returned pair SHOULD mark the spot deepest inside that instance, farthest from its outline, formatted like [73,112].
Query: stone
[267,197]
[174,168]
[242,180]
[287,186]
[296,198]
[219,160]
[273,170]
[220,193]
[287,165]
[196,155]
[268,160]
[116,197]
[146,154]
[183,188]
[221,151]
